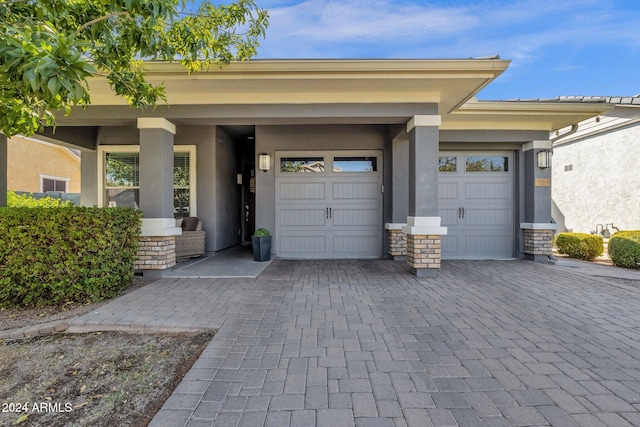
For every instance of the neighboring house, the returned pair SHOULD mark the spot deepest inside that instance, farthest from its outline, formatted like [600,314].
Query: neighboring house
[392,157]
[37,167]
[596,181]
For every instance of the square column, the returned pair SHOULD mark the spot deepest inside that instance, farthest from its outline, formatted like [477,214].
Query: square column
[4,179]
[157,243]
[538,230]
[423,228]
[89,178]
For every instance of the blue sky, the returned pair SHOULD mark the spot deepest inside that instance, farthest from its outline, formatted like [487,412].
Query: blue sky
[557,47]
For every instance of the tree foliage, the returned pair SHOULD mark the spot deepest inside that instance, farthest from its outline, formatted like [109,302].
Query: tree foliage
[49,48]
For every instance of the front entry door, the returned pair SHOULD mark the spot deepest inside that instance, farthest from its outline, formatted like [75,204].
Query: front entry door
[329,204]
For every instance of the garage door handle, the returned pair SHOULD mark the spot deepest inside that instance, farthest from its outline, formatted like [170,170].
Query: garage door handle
[326,213]
[330,213]
[459,213]
[462,212]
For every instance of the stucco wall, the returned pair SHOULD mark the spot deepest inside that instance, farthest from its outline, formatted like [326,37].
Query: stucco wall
[603,183]
[28,159]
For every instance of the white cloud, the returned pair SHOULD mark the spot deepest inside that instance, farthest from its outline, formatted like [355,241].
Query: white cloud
[521,30]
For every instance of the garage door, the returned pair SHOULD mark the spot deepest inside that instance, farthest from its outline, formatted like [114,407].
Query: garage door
[475,192]
[329,204]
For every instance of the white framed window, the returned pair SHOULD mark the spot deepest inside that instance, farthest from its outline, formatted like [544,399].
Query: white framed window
[54,183]
[119,177]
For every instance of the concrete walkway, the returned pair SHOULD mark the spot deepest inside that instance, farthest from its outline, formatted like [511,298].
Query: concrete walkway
[364,343]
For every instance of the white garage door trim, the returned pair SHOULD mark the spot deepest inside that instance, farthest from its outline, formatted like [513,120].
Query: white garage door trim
[476,207]
[324,211]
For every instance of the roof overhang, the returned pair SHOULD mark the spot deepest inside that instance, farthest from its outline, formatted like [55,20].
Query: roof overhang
[447,83]
[333,91]
[516,115]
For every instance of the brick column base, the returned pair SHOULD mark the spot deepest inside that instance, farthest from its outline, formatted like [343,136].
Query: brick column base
[397,244]
[538,244]
[156,253]
[423,254]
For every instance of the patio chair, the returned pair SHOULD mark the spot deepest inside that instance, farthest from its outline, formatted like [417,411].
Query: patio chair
[191,243]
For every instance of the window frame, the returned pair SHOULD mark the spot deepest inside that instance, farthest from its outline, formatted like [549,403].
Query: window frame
[54,178]
[102,187]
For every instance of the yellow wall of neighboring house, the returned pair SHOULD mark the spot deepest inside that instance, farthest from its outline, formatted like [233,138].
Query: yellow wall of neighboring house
[29,160]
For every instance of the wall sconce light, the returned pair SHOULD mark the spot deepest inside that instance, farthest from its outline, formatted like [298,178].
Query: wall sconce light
[544,159]
[264,162]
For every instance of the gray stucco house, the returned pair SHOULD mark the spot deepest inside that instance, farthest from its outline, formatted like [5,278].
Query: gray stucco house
[337,158]
[596,183]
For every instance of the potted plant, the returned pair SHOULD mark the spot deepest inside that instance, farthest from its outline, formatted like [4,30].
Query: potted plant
[261,241]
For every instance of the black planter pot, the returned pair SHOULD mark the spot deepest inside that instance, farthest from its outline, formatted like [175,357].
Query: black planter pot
[261,248]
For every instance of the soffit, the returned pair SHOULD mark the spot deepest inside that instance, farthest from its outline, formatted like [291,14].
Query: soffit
[515,115]
[449,82]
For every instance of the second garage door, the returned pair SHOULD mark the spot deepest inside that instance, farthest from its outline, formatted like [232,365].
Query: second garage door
[329,204]
[475,203]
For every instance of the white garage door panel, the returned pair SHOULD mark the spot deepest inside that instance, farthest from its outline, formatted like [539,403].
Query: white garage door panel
[477,209]
[302,217]
[302,191]
[449,217]
[350,244]
[448,190]
[449,245]
[487,216]
[355,217]
[488,191]
[488,244]
[301,246]
[329,213]
[355,191]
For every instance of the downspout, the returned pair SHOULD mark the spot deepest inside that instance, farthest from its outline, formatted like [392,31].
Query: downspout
[574,129]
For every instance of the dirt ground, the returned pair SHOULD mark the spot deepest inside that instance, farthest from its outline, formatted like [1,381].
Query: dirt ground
[101,378]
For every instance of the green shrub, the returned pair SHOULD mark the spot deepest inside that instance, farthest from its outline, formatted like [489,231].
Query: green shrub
[624,249]
[49,256]
[261,232]
[580,245]
[28,201]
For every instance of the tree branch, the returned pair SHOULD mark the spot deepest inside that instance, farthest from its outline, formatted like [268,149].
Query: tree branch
[102,18]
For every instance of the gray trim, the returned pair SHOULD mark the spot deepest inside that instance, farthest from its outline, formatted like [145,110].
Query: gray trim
[81,137]
[255,114]
[493,137]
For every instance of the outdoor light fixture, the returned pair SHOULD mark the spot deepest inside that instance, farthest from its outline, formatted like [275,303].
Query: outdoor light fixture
[544,159]
[264,162]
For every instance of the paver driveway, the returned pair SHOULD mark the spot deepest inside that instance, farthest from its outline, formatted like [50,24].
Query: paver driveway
[364,343]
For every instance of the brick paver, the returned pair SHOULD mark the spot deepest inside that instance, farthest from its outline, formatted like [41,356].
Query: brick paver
[364,343]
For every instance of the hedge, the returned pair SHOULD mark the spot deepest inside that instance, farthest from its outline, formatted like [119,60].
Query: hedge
[624,249]
[580,245]
[50,256]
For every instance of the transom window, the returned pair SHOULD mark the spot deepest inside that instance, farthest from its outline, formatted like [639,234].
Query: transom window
[448,164]
[302,164]
[487,164]
[355,164]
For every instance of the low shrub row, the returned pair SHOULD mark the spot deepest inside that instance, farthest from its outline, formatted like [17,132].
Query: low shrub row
[624,249]
[580,245]
[50,256]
